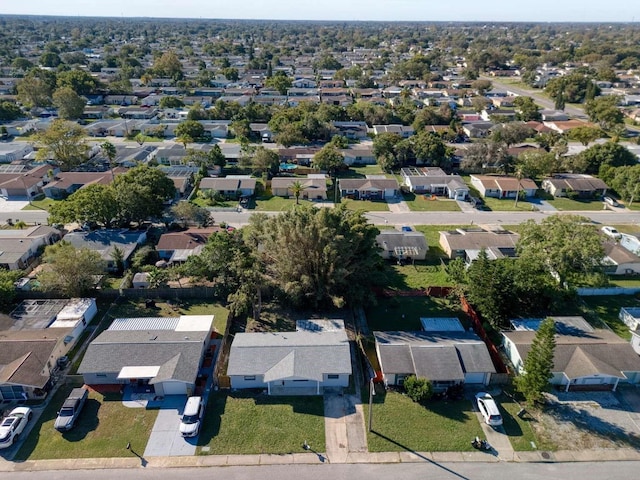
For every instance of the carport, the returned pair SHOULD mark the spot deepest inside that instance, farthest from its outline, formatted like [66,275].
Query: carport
[140,375]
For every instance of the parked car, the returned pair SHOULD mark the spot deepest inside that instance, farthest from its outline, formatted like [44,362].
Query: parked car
[192,417]
[611,232]
[13,425]
[610,201]
[71,409]
[488,409]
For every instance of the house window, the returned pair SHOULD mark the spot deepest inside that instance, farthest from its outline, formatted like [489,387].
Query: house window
[101,375]
[12,392]
[249,378]
[333,376]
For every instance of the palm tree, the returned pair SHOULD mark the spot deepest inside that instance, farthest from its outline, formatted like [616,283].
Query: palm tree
[20,224]
[109,151]
[297,188]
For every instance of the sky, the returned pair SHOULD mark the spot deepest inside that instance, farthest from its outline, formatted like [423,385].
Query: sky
[385,10]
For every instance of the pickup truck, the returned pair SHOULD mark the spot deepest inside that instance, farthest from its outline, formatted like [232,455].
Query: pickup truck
[71,409]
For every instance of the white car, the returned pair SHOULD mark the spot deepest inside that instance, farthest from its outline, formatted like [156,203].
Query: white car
[611,232]
[610,201]
[13,425]
[488,409]
[192,417]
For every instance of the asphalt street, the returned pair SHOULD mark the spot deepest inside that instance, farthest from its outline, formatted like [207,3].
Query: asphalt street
[406,471]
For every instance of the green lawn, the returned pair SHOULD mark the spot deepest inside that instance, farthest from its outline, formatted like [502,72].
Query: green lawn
[419,203]
[362,171]
[43,204]
[567,204]
[403,313]
[276,204]
[625,281]
[414,277]
[430,232]
[608,308]
[520,430]
[239,423]
[399,424]
[104,428]
[203,202]
[508,205]
[365,205]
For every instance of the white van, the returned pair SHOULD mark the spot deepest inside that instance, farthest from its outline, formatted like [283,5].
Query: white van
[192,417]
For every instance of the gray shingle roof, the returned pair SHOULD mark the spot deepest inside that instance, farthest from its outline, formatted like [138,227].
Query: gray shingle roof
[283,355]
[176,353]
[434,355]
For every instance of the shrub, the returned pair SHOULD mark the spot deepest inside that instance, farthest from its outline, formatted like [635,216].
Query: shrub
[418,389]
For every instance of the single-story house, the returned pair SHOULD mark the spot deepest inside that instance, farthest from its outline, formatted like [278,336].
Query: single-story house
[402,130]
[232,186]
[163,354]
[352,130]
[619,261]
[446,358]
[435,181]
[631,243]
[584,358]
[501,186]
[64,184]
[262,130]
[106,241]
[176,247]
[38,333]
[631,318]
[10,152]
[358,155]
[477,129]
[304,362]
[401,245]
[582,185]
[373,187]
[27,358]
[567,125]
[19,248]
[314,186]
[18,181]
[466,242]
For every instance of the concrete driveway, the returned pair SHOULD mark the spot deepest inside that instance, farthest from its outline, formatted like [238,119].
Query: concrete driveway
[165,439]
[12,206]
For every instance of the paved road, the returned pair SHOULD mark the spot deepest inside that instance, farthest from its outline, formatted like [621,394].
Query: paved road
[455,218]
[538,97]
[406,471]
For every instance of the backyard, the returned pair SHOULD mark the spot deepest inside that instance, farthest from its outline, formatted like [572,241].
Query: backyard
[99,433]
[608,307]
[404,313]
[245,423]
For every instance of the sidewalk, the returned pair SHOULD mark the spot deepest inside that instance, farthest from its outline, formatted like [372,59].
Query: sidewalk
[620,454]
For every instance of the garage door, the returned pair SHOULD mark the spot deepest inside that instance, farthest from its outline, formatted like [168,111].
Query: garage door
[477,378]
[174,388]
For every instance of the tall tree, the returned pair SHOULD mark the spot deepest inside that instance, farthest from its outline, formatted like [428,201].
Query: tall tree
[64,142]
[70,105]
[538,365]
[94,203]
[328,159]
[70,271]
[568,246]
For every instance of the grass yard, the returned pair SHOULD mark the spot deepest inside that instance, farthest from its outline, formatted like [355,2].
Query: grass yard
[430,232]
[414,277]
[608,308]
[520,430]
[362,171]
[403,313]
[275,204]
[204,203]
[43,204]
[566,204]
[400,424]
[104,428]
[244,424]
[507,205]
[625,281]
[365,205]
[419,203]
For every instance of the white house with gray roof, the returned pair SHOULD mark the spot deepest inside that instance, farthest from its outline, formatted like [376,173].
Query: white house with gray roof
[304,362]
[163,354]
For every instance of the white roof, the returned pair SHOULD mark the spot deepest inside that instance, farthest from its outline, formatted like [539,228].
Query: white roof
[441,324]
[194,323]
[75,309]
[139,372]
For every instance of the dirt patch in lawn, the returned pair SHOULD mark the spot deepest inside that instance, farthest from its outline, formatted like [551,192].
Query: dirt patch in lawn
[588,420]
